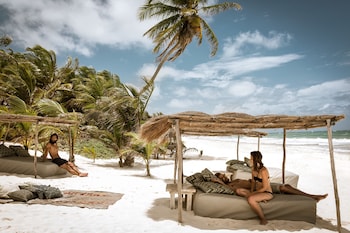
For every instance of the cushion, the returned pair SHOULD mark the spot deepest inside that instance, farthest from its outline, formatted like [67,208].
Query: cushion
[20,151]
[234,161]
[212,187]
[43,191]
[7,188]
[6,152]
[241,167]
[197,177]
[207,175]
[21,195]
[247,161]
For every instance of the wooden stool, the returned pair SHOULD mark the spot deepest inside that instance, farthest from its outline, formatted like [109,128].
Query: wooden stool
[187,189]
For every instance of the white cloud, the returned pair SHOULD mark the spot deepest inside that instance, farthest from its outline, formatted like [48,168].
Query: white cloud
[77,25]
[242,89]
[233,47]
[184,103]
[326,89]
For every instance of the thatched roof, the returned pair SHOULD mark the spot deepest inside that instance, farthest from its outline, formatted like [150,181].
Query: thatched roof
[12,118]
[231,123]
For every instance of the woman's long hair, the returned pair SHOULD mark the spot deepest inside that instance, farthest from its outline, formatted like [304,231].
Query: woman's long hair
[257,163]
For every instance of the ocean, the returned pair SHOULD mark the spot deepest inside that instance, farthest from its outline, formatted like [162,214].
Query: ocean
[312,140]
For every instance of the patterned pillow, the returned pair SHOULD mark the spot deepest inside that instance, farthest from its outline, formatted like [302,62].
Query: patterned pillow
[212,187]
[20,151]
[207,175]
[6,152]
[197,177]
[21,195]
[43,191]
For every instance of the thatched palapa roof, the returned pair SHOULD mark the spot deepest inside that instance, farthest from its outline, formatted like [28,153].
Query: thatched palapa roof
[12,118]
[231,123]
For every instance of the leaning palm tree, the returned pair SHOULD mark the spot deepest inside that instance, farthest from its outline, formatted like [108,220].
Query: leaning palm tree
[181,22]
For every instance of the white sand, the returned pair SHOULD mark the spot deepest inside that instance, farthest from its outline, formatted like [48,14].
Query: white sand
[145,204]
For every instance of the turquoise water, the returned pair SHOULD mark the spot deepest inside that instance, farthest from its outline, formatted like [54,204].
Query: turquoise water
[339,134]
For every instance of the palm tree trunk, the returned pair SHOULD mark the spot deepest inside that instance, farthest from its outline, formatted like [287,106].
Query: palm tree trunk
[160,65]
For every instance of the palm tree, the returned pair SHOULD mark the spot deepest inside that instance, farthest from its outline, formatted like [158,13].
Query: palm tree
[142,148]
[180,24]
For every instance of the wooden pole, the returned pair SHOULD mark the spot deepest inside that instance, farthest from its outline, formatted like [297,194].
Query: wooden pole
[36,148]
[238,147]
[180,169]
[284,156]
[334,176]
[70,144]
[258,143]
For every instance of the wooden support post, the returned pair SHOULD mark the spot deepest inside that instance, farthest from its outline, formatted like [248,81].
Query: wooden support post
[258,143]
[334,175]
[238,147]
[284,156]
[180,168]
[36,148]
[71,146]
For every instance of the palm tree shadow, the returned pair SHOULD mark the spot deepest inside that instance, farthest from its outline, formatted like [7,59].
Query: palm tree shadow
[161,211]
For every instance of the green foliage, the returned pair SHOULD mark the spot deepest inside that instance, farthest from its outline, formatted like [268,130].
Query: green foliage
[94,148]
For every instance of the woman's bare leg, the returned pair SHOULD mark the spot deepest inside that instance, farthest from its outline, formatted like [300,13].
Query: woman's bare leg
[254,200]
[286,188]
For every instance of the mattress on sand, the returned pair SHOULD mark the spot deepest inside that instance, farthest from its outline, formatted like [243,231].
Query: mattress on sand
[281,207]
[25,166]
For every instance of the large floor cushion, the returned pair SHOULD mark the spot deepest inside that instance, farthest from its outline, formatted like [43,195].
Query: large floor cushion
[281,207]
[25,165]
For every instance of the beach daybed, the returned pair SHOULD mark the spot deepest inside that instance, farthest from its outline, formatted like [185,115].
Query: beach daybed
[281,207]
[15,159]
[214,200]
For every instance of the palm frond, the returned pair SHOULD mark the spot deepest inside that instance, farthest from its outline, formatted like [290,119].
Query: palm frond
[218,8]
[213,41]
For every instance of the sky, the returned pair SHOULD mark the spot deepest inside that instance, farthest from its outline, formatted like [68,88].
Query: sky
[274,56]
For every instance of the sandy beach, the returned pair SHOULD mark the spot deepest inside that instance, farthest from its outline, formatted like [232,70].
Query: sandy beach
[144,206]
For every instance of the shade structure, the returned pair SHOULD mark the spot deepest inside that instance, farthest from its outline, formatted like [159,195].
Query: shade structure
[40,120]
[199,123]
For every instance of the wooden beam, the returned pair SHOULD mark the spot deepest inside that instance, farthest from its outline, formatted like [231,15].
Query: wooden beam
[284,156]
[334,175]
[180,170]
[36,149]
[238,147]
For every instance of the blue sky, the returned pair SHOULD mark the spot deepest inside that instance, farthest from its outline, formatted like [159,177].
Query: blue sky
[274,57]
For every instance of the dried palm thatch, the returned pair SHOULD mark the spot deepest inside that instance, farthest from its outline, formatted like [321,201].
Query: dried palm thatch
[231,123]
[11,118]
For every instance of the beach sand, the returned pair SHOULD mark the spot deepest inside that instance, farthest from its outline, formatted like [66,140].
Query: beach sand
[144,206]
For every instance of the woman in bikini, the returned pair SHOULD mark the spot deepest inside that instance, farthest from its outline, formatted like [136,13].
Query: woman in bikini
[260,189]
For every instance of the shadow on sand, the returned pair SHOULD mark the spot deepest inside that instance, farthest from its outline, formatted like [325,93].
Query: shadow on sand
[160,211]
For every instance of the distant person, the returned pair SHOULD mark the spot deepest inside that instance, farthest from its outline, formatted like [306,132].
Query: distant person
[52,148]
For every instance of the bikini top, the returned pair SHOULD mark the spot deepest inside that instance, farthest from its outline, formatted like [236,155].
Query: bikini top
[257,179]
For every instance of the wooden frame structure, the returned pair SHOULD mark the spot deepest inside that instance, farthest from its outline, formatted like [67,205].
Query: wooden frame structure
[198,123]
[39,120]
